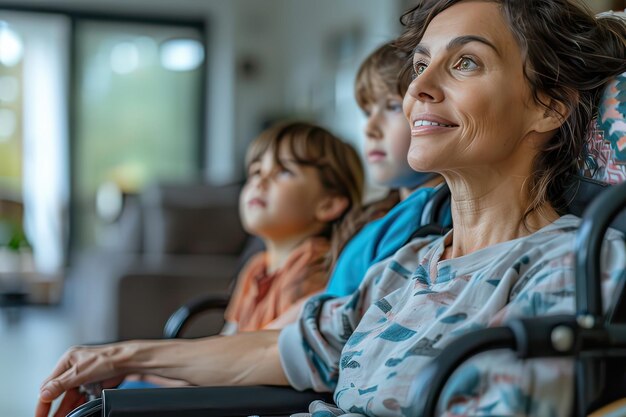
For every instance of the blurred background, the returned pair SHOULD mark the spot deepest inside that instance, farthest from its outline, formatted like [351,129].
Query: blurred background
[123,126]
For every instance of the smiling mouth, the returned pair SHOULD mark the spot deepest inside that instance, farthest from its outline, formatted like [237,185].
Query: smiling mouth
[420,123]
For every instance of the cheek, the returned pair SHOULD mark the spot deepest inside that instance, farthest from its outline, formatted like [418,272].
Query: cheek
[290,200]
[243,195]
[243,212]
[398,137]
[482,120]
[399,147]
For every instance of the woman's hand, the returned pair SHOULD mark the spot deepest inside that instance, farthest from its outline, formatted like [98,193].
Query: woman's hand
[82,365]
[250,358]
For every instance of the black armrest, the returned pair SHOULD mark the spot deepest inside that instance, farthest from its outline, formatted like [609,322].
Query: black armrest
[181,317]
[264,401]
[92,408]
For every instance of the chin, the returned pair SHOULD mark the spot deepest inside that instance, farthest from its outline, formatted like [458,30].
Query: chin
[253,225]
[421,165]
[380,177]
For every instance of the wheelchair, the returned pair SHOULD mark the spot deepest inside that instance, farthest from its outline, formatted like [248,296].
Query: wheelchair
[594,338]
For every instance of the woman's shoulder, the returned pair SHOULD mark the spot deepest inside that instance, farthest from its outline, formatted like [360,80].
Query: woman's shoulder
[557,240]
[565,229]
[553,247]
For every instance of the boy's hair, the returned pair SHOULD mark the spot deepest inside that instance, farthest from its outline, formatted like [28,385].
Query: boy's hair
[338,164]
[379,75]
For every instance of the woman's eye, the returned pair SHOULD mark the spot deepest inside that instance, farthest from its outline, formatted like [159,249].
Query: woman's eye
[418,69]
[466,64]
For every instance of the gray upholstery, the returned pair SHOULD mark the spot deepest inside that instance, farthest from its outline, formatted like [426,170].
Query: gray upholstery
[190,243]
[192,219]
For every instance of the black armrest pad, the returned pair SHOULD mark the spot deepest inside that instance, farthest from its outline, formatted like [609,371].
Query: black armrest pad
[181,317]
[208,401]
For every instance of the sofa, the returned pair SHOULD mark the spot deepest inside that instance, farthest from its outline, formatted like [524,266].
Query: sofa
[171,243]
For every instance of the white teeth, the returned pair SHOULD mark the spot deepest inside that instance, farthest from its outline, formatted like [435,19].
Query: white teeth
[419,123]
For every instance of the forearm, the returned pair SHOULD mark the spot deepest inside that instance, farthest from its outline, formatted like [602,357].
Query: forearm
[243,359]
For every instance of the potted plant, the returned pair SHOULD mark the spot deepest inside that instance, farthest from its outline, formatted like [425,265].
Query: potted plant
[15,250]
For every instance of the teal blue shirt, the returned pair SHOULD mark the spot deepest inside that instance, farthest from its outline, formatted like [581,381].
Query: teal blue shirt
[378,240]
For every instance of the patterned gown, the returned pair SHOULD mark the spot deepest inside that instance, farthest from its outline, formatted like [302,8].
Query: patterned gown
[368,347]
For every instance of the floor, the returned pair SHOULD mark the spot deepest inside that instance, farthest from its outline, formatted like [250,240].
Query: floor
[31,341]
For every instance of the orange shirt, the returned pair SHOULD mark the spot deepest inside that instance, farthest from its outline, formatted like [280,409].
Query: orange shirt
[260,298]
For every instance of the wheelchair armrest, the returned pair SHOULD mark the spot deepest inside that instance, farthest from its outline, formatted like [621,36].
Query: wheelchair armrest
[208,401]
[92,408]
[181,317]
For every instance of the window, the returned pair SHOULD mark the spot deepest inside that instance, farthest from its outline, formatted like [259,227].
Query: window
[138,102]
[87,101]
[11,86]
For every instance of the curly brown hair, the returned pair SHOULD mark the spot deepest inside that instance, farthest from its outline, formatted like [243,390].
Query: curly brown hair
[569,56]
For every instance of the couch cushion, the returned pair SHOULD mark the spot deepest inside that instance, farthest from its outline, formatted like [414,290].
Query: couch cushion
[192,219]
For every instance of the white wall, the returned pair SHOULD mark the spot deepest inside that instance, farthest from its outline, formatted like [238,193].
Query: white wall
[321,75]
[290,40]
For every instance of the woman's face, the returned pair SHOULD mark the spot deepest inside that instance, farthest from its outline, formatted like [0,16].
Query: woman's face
[469,105]
[387,140]
[280,201]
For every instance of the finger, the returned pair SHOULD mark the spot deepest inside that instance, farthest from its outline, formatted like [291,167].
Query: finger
[71,378]
[51,390]
[43,408]
[62,366]
[72,399]
[65,382]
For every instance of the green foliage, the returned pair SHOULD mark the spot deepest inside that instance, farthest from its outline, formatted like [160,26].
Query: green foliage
[12,235]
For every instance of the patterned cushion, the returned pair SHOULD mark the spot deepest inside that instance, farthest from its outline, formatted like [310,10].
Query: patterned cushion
[605,153]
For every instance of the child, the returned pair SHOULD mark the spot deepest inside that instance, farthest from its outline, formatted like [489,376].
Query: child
[301,181]
[387,139]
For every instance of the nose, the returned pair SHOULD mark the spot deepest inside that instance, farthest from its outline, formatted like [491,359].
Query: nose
[426,87]
[260,181]
[372,126]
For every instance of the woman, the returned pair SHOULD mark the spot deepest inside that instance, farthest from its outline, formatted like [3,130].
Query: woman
[503,119]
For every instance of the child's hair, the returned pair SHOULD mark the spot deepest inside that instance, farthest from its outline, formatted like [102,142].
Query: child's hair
[338,164]
[378,74]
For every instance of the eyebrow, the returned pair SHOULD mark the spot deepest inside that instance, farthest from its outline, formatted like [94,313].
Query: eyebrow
[456,43]
[288,160]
